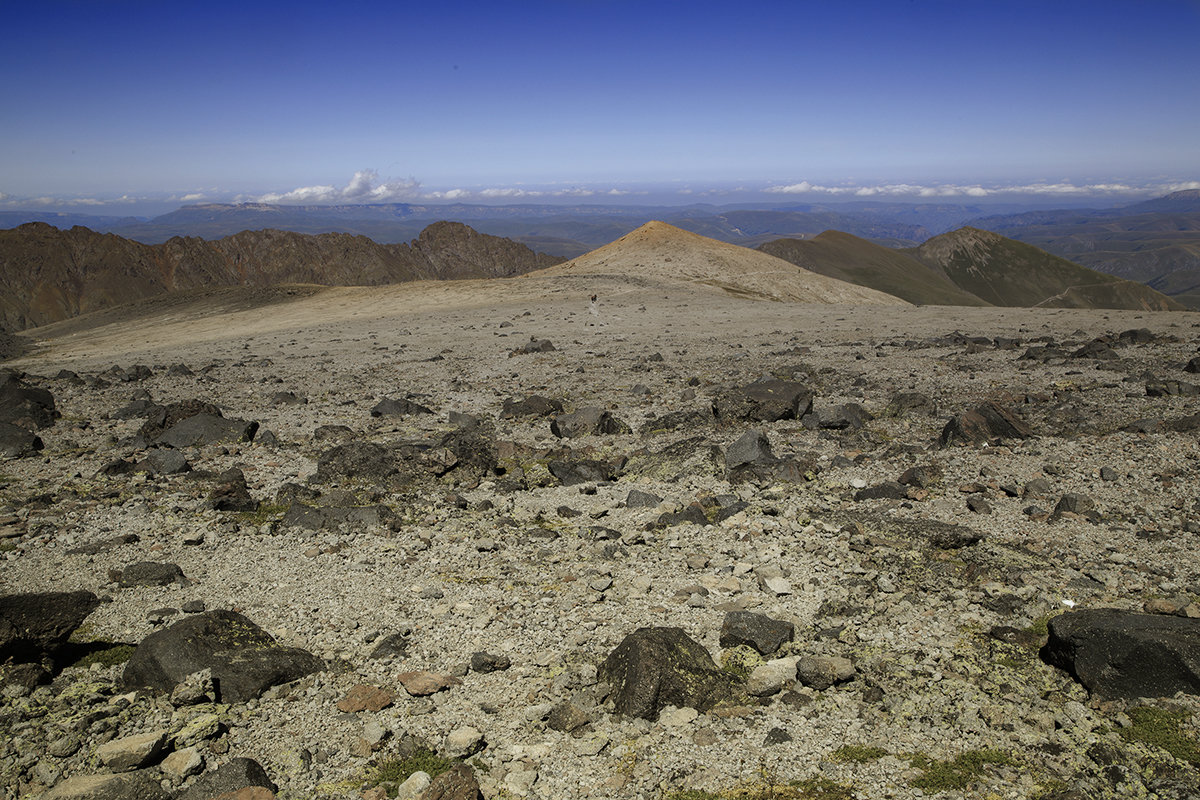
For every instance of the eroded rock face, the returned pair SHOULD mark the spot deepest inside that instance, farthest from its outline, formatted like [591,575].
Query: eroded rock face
[657,667]
[1116,653]
[23,405]
[245,660]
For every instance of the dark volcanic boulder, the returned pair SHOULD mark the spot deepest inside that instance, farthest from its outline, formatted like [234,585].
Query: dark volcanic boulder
[205,429]
[587,420]
[151,573]
[33,625]
[984,423]
[161,461]
[533,406]
[356,460]
[332,517]
[1118,653]
[768,400]
[160,418]
[239,773]
[584,470]
[758,631]
[245,660]
[16,441]
[23,405]
[389,407]
[231,493]
[657,667]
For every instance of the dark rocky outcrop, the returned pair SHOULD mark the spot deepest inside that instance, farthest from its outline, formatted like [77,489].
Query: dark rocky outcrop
[245,660]
[238,773]
[17,442]
[1116,653]
[23,405]
[206,429]
[984,423]
[766,400]
[656,667]
[764,634]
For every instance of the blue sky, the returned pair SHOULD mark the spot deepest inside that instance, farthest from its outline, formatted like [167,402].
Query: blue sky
[608,100]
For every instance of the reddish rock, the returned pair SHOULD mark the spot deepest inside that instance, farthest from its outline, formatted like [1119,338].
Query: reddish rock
[420,683]
[366,698]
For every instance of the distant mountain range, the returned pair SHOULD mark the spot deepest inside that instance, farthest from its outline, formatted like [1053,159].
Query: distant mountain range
[1156,242]
[47,274]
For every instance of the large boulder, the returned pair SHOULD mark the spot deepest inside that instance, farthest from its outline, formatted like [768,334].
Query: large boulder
[1123,654]
[205,429]
[982,424]
[16,442]
[239,773]
[23,405]
[34,625]
[766,400]
[245,660]
[366,461]
[160,418]
[657,667]
[585,421]
[141,785]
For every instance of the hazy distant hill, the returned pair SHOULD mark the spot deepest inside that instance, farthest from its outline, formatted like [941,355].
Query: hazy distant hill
[564,230]
[1156,242]
[849,258]
[1005,272]
[47,274]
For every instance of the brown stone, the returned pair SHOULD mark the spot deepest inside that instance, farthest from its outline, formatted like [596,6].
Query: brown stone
[366,698]
[420,683]
[455,784]
[248,793]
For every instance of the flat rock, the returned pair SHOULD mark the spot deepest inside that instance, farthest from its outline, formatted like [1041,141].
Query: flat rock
[364,697]
[142,785]
[985,423]
[205,429]
[768,400]
[421,683]
[822,672]
[132,752]
[245,660]
[764,634]
[1124,654]
[150,573]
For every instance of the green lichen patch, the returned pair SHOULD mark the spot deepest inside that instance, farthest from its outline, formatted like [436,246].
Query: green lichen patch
[957,773]
[106,654]
[393,772]
[858,753]
[739,661]
[1163,729]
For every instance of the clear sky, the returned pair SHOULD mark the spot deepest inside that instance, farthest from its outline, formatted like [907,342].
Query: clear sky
[185,101]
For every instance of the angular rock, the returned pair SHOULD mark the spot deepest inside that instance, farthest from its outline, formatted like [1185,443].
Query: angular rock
[457,783]
[463,742]
[640,499]
[888,490]
[534,345]
[33,625]
[245,660]
[768,400]
[239,773]
[533,406]
[394,645]
[366,461]
[1123,654]
[585,421]
[484,662]
[584,470]
[143,785]
[363,697]
[846,416]
[656,667]
[206,429]
[772,677]
[151,573]
[821,672]
[986,422]
[132,752]
[18,442]
[758,631]
[567,717]
[421,683]
[163,461]
[23,405]
[752,447]
[231,493]
[1073,503]
[403,407]
[160,418]
[333,517]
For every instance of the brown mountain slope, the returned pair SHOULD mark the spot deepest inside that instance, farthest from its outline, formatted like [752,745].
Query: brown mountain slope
[1006,272]
[48,275]
[849,258]
[663,253]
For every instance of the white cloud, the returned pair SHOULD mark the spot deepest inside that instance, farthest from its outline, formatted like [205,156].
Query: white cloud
[364,187]
[974,190]
[193,197]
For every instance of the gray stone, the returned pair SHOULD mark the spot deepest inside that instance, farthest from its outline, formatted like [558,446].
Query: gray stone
[821,672]
[245,660]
